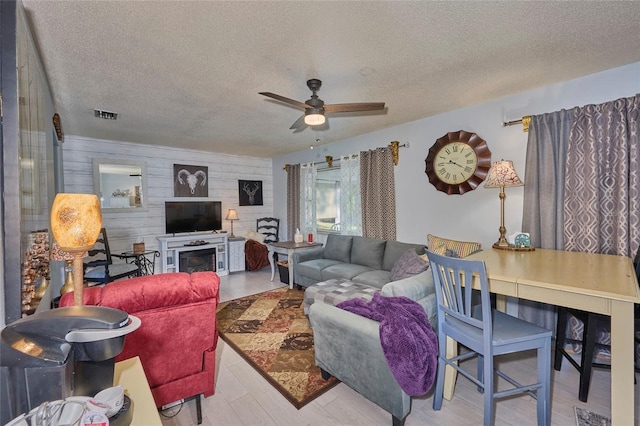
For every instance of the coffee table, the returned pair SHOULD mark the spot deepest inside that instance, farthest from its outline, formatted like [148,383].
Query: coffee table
[288,248]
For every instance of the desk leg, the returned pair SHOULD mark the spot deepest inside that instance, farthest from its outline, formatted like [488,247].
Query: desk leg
[622,392]
[290,260]
[450,373]
[271,262]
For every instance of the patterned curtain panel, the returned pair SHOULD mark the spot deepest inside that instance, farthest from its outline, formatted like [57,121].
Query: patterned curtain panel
[377,190]
[544,196]
[293,200]
[350,201]
[308,176]
[602,186]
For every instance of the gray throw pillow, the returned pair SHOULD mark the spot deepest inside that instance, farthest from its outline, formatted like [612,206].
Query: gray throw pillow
[409,264]
[452,253]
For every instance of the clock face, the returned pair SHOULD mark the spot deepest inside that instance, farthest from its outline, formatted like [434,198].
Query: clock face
[458,162]
[455,163]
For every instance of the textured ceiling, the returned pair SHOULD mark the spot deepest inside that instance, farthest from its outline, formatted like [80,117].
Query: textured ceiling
[187,73]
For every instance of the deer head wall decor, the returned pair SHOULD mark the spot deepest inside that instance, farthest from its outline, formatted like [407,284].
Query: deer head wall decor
[250,192]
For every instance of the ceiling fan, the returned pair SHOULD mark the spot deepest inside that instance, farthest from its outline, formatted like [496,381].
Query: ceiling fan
[315,108]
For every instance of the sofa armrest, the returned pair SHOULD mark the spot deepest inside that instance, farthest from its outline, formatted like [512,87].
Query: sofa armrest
[415,287]
[300,256]
[340,339]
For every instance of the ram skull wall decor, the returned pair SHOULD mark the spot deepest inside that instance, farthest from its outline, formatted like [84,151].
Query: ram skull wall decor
[190,181]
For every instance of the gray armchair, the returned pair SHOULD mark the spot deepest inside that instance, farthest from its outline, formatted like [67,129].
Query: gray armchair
[347,346]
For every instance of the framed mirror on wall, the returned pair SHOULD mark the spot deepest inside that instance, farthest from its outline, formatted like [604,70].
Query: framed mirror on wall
[121,185]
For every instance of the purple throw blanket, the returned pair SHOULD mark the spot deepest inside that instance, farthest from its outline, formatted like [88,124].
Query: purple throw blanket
[409,344]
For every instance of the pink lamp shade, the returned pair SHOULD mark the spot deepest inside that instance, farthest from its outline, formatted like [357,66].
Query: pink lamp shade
[502,173]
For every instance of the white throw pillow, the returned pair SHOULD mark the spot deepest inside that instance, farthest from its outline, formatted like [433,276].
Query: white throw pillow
[256,236]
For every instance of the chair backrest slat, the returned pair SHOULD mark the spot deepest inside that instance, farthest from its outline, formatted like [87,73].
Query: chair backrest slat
[453,280]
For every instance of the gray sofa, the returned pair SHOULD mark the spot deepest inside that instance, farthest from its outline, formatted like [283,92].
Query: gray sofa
[341,338]
[359,259]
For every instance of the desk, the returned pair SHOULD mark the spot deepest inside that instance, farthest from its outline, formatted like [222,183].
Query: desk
[287,247]
[145,265]
[130,375]
[604,284]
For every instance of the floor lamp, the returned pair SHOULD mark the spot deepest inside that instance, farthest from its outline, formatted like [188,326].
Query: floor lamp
[76,220]
[501,175]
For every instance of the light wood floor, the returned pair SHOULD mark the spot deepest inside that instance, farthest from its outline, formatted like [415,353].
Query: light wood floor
[243,397]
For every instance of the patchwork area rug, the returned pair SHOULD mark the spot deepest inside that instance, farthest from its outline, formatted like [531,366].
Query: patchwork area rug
[589,418]
[270,331]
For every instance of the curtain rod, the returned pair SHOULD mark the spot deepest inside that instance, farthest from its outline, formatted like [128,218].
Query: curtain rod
[526,120]
[395,146]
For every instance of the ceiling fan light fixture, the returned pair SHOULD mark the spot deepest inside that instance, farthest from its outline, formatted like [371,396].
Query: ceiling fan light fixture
[314,119]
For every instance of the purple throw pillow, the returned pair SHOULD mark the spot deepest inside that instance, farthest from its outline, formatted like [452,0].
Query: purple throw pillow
[408,265]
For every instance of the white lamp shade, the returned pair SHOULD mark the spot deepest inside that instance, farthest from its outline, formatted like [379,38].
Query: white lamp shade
[232,214]
[502,174]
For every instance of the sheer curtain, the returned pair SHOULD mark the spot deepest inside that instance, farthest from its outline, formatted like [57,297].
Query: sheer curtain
[308,177]
[377,189]
[350,201]
[293,200]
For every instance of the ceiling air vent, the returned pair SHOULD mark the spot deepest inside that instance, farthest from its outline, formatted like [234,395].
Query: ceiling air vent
[107,115]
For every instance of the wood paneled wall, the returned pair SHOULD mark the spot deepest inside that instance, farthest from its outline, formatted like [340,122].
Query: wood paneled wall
[126,228]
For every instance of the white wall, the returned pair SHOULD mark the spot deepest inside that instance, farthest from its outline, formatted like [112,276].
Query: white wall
[475,215]
[126,228]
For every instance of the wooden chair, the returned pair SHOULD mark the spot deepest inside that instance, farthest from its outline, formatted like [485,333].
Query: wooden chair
[100,267]
[486,333]
[269,226]
[257,255]
[591,322]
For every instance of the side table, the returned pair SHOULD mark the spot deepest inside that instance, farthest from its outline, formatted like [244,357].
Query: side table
[130,375]
[145,261]
[236,254]
[288,248]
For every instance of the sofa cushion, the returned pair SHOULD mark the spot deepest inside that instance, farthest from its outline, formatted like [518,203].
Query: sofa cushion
[367,252]
[338,247]
[343,270]
[440,245]
[409,264]
[376,278]
[313,268]
[394,249]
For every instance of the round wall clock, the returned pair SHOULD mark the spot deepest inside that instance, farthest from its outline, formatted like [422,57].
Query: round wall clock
[458,162]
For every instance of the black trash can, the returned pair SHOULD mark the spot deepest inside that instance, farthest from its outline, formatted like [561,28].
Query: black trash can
[283,269]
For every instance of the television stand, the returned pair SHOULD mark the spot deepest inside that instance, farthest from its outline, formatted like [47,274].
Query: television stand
[172,245]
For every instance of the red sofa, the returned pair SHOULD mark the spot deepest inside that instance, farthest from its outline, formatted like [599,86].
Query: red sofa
[177,340]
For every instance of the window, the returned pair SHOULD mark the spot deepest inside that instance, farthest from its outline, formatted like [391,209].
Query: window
[328,200]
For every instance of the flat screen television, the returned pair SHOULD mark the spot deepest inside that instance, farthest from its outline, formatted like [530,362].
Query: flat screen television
[192,216]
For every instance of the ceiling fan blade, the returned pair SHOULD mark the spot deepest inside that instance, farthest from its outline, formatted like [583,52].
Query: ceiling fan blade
[354,107]
[286,100]
[299,123]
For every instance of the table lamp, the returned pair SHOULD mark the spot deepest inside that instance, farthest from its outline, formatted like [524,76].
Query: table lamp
[232,215]
[76,220]
[60,255]
[501,175]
